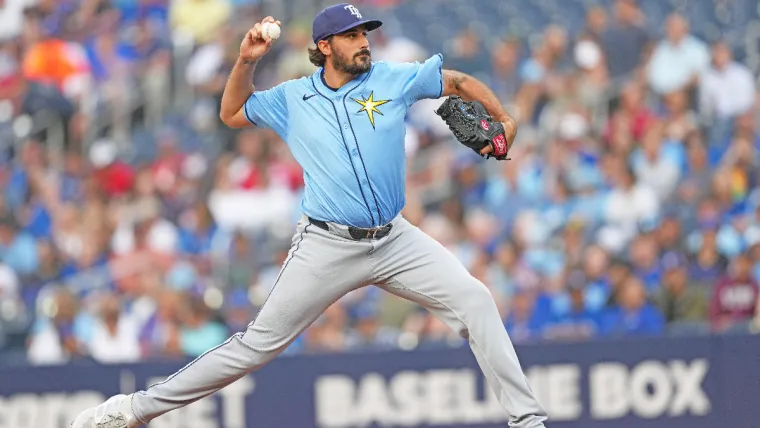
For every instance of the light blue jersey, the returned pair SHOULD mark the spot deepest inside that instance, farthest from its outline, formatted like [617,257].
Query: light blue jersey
[350,141]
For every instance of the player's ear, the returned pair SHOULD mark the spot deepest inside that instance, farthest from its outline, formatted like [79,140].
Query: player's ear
[325,46]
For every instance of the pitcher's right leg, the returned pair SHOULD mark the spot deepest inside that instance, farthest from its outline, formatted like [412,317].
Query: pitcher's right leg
[313,277]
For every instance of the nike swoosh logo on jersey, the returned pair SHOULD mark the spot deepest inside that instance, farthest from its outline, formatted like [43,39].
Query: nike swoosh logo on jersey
[306,97]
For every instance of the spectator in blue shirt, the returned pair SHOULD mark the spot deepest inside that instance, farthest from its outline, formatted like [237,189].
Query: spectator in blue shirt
[597,287]
[197,231]
[633,315]
[17,249]
[578,323]
[368,332]
[644,256]
[707,263]
[522,324]
[199,331]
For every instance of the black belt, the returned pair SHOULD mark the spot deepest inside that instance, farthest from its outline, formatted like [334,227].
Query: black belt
[358,233]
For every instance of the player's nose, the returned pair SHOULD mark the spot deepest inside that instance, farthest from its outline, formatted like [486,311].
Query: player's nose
[364,41]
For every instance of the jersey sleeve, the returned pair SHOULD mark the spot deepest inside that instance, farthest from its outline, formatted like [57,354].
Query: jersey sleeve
[269,109]
[421,80]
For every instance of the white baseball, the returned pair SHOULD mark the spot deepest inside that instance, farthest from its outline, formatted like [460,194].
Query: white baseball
[270,30]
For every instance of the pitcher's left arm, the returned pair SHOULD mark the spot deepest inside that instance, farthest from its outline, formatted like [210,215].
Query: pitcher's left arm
[472,89]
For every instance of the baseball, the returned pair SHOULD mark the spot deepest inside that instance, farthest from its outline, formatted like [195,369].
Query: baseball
[270,30]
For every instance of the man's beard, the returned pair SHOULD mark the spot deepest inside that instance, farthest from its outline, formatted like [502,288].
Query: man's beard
[354,66]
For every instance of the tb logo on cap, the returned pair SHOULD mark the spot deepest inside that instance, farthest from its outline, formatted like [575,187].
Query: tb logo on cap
[354,11]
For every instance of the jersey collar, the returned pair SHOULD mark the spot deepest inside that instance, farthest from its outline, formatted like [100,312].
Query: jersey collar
[324,82]
[323,86]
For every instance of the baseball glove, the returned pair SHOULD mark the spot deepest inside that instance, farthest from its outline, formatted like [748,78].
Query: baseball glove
[473,126]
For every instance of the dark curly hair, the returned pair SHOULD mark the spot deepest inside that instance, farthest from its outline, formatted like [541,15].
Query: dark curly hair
[316,56]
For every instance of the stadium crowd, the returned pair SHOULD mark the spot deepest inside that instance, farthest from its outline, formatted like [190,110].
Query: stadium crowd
[631,205]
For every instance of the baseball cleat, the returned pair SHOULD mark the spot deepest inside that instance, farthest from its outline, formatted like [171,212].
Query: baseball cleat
[114,413]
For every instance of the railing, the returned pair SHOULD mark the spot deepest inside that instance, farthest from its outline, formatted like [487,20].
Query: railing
[156,94]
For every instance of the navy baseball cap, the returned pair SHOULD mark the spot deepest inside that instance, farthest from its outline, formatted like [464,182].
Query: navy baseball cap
[339,18]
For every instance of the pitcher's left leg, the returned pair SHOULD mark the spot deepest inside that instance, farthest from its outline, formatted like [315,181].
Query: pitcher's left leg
[414,266]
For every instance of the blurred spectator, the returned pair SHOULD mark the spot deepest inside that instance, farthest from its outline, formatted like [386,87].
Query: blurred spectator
[127,264]
[645,262]
[629,122]
[54,339]
[678,300]
[328,332]
[199,19]
[247,170]
[657,164]
[735,297]
[596,22]
[679,120]
[115,336]
[669,236]
[167,166]
[678,61]
[17,248]
[505,80]
[238,311]
[62,64]
[199,332]
[695,181]
[578,323]
[157,235]
[48,271]
[573,243]
[437,335]
[13,312]
[740,165]
[629,205]
[597,288]
[207,69]
[707,263]
[121,179]
[540,74]
[199,235]
[619,272]
[521,322]
[369,334]
[114,177]
[293,64]
[243,264]
[727,88]
[633,315]
[465,52]
[159,336]
[504,268]
[625,40]
[12,17]
[395,47]
[593,79]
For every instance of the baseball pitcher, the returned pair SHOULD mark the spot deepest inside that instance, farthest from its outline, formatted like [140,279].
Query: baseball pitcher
[345,126]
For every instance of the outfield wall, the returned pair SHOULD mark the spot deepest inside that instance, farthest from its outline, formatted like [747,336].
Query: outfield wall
[684,382]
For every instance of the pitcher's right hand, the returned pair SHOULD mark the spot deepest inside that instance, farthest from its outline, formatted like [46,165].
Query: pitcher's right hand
[254,46]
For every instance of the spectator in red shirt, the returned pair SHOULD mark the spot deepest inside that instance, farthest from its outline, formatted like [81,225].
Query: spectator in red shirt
[248,171]
[628,124]
[735,298]
[166,168]
[113,177]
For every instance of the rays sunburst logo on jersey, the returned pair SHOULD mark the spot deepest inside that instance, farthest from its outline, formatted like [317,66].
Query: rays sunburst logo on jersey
[370,105]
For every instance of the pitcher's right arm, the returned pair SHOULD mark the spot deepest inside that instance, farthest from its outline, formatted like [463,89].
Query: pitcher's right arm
[239,85]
